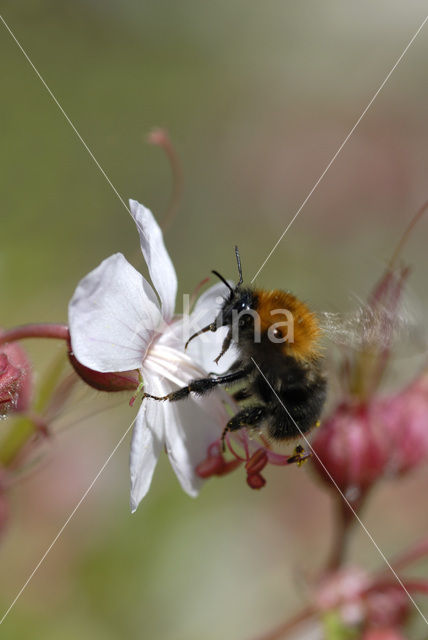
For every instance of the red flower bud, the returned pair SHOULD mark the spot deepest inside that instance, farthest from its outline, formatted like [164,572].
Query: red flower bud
[358,444]
[121,381]
[404,417]
[343,588]
[387,606]
[350,448]
[15,379]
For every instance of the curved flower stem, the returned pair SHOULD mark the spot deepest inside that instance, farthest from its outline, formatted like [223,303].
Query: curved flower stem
[414,585]
[285,628]
[343,524]
[43,330]
[408,557]
[413,222]
[160,138]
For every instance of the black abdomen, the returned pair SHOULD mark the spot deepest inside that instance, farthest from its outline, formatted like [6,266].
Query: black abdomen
[295,406]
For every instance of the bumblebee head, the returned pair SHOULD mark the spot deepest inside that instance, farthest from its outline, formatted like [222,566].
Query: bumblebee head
[237,301]
[277,319]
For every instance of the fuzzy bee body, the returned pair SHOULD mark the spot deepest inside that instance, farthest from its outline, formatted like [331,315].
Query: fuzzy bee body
[284,380]
[279,363]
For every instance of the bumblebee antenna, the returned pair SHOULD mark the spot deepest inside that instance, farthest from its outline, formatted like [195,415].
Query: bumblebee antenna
[238,260]
[216,273]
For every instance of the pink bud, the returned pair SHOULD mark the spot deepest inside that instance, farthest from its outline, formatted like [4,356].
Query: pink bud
[404,417]
[342,587]
[122,381]
[158,137]
[387,606]
[15,379]
[350,448]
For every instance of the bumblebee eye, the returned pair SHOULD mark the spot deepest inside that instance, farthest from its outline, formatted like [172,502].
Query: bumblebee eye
[277,334]
[240,306]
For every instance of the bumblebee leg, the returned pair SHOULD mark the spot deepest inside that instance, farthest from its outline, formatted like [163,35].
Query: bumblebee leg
[226,344]
[201,386]
[248,417]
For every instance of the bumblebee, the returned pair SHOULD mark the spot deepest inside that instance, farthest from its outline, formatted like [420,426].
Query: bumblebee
[279,362]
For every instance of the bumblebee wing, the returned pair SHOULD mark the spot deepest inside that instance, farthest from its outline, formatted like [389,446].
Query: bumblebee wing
[373,328]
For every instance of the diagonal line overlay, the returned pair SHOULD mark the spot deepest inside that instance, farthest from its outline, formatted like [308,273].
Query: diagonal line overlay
[255,276]
[38,565]
[341,147]
[44,83]
[355,514]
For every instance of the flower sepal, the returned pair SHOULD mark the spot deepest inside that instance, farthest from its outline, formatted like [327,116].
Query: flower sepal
[111,381]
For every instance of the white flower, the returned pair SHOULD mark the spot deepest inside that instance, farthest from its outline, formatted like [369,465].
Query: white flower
[116,324]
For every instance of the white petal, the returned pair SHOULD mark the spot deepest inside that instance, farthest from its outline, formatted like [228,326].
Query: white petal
[189,429]
[161,269]
[208,304]
[206,347]
[147,442]
[113,315]
[173,364]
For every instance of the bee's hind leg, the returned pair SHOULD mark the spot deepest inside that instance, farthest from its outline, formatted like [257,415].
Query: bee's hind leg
[247,417]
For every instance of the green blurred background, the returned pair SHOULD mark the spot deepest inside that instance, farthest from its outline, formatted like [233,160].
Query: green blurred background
[257,98]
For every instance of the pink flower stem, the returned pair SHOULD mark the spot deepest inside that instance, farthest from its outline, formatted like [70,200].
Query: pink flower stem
[58,331]
[412,555]
[345,520]
[406,234]
[286,627]
[413,585]
[160,138]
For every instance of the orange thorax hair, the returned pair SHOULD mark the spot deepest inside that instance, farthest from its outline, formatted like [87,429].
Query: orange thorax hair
[303,325]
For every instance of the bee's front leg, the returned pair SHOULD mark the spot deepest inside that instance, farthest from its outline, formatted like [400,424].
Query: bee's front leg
[201,386]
